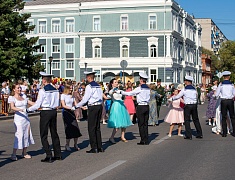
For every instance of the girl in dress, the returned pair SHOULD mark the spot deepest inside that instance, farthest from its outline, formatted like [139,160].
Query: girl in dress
[129,103]
[70,123]
[23,134]
[175,115]
[153,120]
[119,117]
[78,97]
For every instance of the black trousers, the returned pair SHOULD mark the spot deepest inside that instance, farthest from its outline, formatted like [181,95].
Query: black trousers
[142,113]
[94,116]
[48,119]
[227,105]
[158,108]
[191,109]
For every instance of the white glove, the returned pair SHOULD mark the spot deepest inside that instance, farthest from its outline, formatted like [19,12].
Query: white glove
[73,108]
[24,110]
[170,99]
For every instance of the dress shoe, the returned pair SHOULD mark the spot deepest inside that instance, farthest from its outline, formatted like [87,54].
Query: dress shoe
[57,158]
[186,137]
[143,143]
[100,150]
[47,160]
[224,135]
[93,151]
[199,137]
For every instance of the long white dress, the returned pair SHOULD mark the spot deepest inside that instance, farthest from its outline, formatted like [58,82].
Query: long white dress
[23,134]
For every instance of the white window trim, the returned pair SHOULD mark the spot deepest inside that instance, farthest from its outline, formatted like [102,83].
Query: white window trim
[66,68]
[156,75]
[124,41]
[96,16]
[56,61]
[38,25]
[41,47]
[65,26]
[124,15]
[56,19]
[66,47]
[152,14]
[45,64]
[152,41]
[96,42]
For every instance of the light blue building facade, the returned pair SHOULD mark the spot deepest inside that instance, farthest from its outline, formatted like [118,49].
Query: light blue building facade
[154,36]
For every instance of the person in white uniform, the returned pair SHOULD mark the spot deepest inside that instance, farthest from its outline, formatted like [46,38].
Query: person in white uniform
[226,91]
[94,97]
[142,111]
[23,134]
[48,101]
[189,94]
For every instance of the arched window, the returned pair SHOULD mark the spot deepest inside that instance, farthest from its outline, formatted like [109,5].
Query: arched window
[124,51]
[97,51]
[153,51]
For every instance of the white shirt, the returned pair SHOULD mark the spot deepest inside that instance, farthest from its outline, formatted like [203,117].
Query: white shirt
[115,96]
[48,97]
[93,94]
[5,90]
[68,99]
[142,93]
[226,90]
[189,93]
[23,89]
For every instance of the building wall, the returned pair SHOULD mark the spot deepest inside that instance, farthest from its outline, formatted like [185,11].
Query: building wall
[176,36]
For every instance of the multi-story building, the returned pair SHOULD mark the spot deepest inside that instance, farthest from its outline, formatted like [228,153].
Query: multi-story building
[206,69]
[212,37]
[154,36]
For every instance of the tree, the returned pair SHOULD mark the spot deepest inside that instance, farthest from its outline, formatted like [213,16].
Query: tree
[17,58]
[227,58]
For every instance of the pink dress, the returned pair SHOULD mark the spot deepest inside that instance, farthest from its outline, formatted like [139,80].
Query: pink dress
[129,103]
[176,114]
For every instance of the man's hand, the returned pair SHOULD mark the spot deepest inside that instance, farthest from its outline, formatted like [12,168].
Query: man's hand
[118,92]
[24,110]
[170,99]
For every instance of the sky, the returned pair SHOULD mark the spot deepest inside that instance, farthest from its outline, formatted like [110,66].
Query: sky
[222,12]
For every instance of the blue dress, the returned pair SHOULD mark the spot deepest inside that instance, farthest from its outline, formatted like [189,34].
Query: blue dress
[119,116]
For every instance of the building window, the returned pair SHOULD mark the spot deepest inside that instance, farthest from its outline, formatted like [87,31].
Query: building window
[97,75]
[97,47]
[96,23]
[153,51]
[55,26]
[31,23]
[97,51]
[124,47]
[42,49]
[55,48]
[152,22]
[44,64]
[69,48]
[55,64]
[153,75]
[70,64]
[153,46]
[124,51]
[42,26]
[69,25]
[124,22]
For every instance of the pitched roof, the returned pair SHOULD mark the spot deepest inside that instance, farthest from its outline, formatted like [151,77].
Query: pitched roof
[46,2]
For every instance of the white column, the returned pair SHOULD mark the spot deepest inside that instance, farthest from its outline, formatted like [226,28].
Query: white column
[82,47]
[168,46]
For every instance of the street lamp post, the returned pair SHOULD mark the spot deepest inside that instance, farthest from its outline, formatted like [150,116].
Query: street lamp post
[50,60]
[85,66]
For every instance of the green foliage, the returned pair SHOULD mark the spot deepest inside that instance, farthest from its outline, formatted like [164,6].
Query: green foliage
[16,50]
[227,58]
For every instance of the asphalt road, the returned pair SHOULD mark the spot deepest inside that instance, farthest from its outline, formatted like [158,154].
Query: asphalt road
[165,158]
